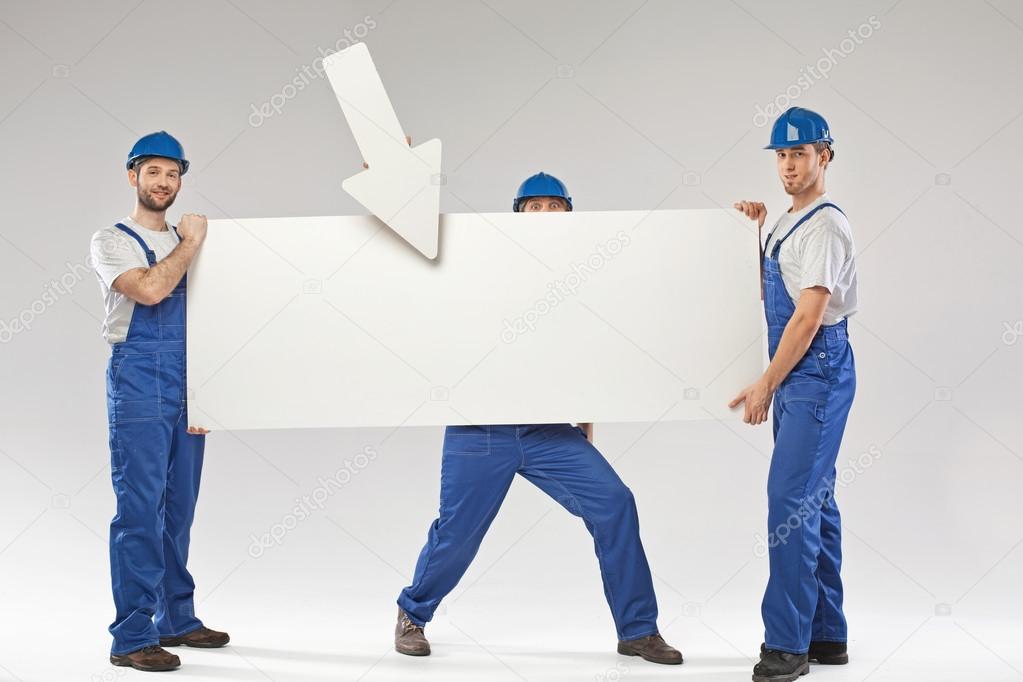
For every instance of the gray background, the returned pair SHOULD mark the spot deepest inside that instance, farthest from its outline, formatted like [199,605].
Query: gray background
[635,105]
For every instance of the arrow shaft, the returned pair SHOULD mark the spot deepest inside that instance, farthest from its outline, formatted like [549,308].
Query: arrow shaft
[400,186]
[365,104]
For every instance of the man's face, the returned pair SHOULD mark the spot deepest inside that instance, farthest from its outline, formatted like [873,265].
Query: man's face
[544,204]
[799,167]
[157,182]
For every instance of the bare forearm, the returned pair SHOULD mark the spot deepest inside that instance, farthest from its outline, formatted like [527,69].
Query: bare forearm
[795,340]
[157,282]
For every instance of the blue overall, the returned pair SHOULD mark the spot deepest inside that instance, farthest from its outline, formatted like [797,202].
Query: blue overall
[803,600]
[155,466]
[478,466]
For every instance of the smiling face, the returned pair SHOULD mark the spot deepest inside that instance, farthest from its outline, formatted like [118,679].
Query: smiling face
[801,168]
[543,204]
[157,181]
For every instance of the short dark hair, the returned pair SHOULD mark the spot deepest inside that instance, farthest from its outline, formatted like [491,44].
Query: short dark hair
[821,146]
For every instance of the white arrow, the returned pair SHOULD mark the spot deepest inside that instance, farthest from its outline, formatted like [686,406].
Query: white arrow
[402,184]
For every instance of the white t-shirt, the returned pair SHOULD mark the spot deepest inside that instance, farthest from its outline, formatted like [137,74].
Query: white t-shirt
[819,253]
[114,253]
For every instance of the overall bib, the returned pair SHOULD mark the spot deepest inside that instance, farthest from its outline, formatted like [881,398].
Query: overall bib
[478,467]
[155,466]
[803,600]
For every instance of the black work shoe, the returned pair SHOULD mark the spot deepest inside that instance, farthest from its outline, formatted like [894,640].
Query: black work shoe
[148,659]
[652,648]
[829,653]
[201,638]
[779,666]
[823,652]
[409,638]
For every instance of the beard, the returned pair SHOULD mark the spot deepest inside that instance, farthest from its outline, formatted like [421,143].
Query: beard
[792,190]
[153,203]
[799,187]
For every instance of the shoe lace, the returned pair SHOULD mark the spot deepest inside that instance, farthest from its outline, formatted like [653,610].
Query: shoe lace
[152,649]
[651,639]
[407,625]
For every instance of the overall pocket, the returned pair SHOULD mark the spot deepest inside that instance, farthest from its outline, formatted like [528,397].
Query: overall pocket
[467,440]
[171,316]
[814,363]
[135,387]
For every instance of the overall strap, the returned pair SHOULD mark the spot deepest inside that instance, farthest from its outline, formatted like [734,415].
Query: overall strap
[184,277]
[778,243]
[150,255]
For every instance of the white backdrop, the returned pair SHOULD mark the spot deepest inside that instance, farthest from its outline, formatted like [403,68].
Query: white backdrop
[635,105]
[320,322]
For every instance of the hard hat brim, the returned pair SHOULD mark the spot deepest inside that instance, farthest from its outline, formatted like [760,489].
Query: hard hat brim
[518,201]
[183,163]
[799,144]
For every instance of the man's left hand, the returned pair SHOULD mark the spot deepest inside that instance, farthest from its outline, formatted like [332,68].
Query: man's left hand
[757,398]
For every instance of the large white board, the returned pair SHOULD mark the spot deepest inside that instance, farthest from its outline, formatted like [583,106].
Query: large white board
[523,318]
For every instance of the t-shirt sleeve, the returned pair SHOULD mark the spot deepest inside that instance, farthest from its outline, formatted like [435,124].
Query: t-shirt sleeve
[113,255]
[825,252]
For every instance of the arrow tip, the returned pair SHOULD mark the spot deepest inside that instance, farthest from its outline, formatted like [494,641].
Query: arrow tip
[404,192]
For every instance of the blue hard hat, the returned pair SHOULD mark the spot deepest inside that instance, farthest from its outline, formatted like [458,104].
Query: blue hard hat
[799,126]
[541,185]
[158,144]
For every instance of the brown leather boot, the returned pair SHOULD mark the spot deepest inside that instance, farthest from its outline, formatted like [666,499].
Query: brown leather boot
[148,659]
[409,638]
[203,638]
[652,648]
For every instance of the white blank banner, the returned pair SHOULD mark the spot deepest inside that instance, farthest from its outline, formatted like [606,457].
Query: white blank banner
[605,316]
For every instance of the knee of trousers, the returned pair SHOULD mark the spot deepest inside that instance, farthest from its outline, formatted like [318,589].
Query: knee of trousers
[136,507]
[615,504]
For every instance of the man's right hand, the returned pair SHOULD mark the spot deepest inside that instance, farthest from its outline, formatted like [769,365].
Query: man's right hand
[754,210]
[192,228]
